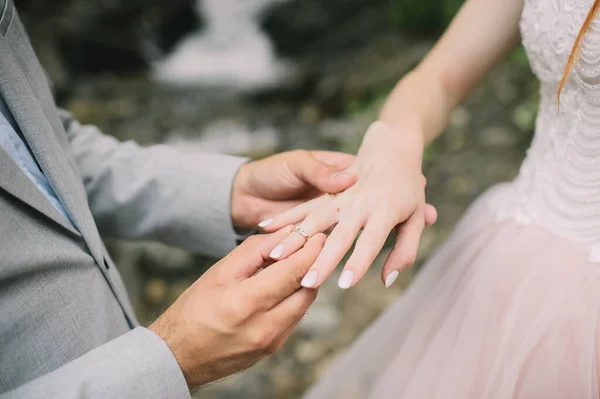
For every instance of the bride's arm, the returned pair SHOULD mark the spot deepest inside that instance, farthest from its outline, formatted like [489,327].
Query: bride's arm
[389,192]
[481,34]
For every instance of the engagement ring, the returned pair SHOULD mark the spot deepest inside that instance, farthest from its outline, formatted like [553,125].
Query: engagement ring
[299,230]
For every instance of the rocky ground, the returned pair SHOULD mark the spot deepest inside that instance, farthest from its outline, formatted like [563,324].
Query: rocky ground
[344,62]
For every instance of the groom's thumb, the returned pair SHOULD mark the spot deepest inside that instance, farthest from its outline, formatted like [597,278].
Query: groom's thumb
[324,177]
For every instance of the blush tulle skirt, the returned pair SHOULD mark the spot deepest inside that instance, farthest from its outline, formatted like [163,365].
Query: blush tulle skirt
[500,311]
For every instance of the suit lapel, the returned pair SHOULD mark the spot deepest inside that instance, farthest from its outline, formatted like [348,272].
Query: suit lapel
[38,131]
[17,184]
[6,14]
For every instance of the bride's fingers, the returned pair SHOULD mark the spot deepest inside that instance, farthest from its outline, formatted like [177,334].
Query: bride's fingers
[316,222]
[430,211]
[405,251]
[430,215]
[294,215]
[338,244]
[367,248]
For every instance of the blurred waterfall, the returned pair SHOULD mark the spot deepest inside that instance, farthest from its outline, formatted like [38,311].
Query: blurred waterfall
[230,51]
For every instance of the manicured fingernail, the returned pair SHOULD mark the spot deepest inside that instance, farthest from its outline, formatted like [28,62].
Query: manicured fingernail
[391,278]
[337,175]
[265,223]
[310,279]
[346,279]
[277,252]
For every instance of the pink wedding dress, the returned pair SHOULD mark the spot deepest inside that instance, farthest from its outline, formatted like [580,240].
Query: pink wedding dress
[508,307]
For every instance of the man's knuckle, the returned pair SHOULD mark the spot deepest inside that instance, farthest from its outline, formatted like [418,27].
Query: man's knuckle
[308,298]
[254,338]
[252,241]
[299,271]
[240,309]
[254,302]
[244,249]
[273,348]
[261,338]
[311,296]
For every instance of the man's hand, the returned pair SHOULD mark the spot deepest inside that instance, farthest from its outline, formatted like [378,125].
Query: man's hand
[265,188]
[232,316]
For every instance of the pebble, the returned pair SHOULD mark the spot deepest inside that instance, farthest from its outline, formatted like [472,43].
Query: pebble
[320,320]
[156,290]
[459,118]
[462,185]
[498,137]
[309,351]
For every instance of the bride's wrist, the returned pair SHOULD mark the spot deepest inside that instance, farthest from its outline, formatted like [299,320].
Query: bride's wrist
[404,139]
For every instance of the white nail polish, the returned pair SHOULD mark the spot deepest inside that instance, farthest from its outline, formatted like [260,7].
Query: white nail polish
[265,223]
[346,279]
[391,278]
[277,252]
[310,279]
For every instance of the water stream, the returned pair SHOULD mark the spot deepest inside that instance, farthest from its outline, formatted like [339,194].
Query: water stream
[231,50]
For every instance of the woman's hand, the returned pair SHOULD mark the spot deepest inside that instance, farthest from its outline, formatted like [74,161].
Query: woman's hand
[389,194]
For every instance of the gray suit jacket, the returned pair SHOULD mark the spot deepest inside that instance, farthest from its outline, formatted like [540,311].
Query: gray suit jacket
[67,329]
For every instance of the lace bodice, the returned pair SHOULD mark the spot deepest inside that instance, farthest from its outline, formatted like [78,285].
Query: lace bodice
[558,186]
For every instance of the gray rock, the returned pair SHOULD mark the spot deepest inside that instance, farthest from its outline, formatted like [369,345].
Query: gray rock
[320,320]
[298,27]
[83,37]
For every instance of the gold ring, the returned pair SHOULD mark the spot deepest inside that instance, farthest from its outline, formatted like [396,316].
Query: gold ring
[299,230]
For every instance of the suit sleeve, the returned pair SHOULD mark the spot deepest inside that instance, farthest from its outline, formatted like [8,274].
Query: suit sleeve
[156,193]
[137,365]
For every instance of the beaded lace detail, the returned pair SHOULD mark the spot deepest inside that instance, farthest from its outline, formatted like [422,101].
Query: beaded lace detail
[558,186]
